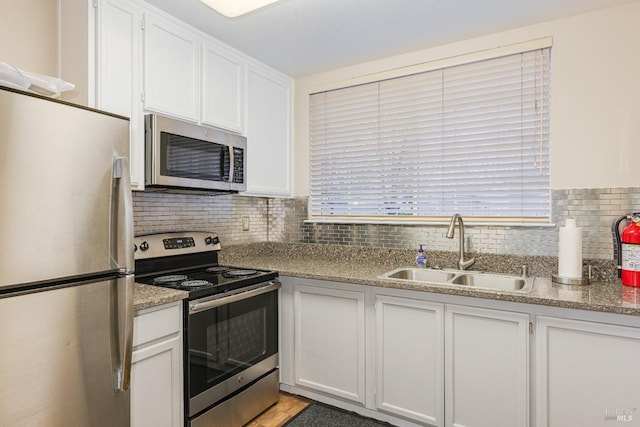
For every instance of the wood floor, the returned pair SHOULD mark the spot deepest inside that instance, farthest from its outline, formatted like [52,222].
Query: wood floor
[286,408]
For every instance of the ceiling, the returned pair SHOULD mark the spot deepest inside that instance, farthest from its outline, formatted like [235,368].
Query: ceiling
[301,37]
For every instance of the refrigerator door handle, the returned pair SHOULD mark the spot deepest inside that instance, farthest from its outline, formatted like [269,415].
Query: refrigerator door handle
[122,216]
[122,331]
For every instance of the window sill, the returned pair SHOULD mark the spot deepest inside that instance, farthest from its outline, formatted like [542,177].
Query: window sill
[468,222]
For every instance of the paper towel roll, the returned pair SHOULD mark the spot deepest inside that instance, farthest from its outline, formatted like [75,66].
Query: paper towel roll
[570,250]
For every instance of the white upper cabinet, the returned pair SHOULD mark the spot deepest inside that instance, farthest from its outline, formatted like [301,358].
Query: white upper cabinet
[268,133]
[119,59]
[147,61]
[171,68]
[222,88]
[118,55]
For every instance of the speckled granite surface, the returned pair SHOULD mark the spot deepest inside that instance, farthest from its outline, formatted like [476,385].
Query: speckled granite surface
[147,296]
[362,265]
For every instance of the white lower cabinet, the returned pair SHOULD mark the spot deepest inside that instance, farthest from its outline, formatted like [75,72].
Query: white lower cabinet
[329,353]
[417,358]
[402,357]
[156,373]
[486,367]
[409,350]
[587,374]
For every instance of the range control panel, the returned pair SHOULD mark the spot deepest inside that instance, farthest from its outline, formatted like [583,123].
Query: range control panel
[179,243]
[174,243]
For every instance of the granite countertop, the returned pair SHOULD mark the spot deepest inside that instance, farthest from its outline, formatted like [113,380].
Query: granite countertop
[362,266]
[147,296]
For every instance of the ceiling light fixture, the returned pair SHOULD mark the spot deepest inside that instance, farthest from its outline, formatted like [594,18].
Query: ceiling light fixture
[233,8]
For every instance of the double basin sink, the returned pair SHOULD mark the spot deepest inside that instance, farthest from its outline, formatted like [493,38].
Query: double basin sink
[473,279]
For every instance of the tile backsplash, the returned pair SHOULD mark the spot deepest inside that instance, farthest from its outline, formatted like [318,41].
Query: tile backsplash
[283,220]
[223,214]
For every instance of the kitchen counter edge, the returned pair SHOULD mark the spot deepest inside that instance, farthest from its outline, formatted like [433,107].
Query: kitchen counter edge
[598,296]
[147,296]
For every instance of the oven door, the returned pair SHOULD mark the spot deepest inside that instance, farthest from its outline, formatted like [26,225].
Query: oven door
[232,341]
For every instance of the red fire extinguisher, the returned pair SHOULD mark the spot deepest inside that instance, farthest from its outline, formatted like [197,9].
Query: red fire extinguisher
[630,242]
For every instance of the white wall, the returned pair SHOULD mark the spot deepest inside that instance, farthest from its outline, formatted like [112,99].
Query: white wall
[49,37]
[595,106]
[75,53]
[29,35]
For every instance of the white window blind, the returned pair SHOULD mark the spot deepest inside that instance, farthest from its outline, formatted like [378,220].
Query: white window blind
[471,139]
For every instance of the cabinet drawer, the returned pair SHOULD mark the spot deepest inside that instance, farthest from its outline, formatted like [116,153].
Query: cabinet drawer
[156,323]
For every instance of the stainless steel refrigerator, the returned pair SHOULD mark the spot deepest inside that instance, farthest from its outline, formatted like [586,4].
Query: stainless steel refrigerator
[66,264]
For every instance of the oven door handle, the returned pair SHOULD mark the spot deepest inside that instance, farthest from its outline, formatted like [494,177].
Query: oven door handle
[196,307]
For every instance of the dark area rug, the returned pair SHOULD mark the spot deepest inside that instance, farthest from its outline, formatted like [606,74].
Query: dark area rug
[321,415]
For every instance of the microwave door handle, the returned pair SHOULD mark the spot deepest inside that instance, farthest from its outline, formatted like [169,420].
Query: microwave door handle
[224,153]
[230,147]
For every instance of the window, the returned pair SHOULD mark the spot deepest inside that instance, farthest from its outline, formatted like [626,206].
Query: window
[470,138]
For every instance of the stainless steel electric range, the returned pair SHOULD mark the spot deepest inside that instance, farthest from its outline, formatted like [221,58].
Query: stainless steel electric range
[230,326]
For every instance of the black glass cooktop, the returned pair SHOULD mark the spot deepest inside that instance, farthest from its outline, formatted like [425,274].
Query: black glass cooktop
[204,281]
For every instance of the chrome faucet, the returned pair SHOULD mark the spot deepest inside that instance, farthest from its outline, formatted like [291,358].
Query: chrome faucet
[462,263]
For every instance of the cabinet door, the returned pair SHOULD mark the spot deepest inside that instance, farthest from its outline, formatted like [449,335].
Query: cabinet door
[222,88]
[409,341]
[118,73]
[329,341]
[268,133]
[156,371]
[171,68]
[156,391]
[587,374]
[486,367]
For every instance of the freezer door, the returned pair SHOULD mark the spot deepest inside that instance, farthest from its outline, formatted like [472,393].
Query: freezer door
[57,360]
[63,192]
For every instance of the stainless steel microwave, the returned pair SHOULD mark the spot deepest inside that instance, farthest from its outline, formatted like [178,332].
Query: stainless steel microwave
[186,156]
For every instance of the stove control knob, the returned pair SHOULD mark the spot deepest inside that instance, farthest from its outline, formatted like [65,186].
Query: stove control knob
[135,248]
[211,240]
[144,246]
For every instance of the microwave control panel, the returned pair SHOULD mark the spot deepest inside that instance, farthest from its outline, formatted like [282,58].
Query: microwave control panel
[238,165]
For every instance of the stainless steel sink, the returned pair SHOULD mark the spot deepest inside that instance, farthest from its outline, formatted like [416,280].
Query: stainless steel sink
[420,275]
[491,281]
[476,279]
